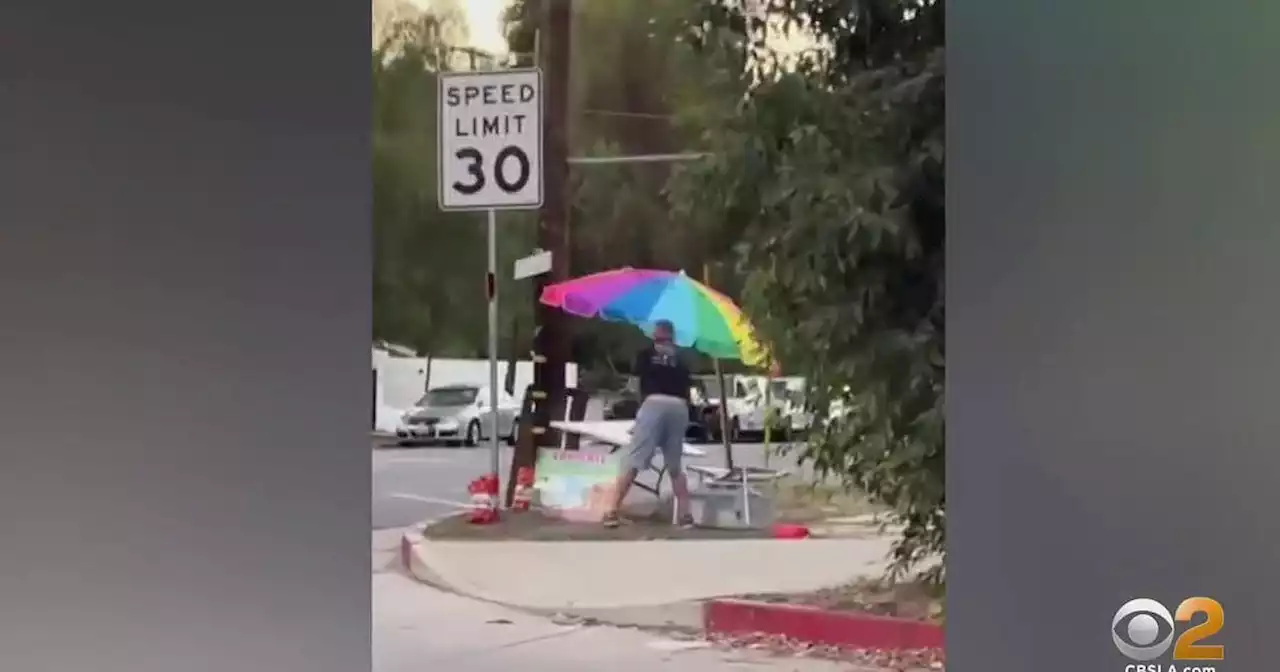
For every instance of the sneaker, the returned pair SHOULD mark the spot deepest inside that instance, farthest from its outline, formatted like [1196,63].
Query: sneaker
[686,522]
[611,520]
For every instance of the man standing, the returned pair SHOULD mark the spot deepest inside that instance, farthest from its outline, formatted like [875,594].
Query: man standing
[661,421]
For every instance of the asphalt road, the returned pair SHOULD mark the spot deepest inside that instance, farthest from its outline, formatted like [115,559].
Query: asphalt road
[414,484]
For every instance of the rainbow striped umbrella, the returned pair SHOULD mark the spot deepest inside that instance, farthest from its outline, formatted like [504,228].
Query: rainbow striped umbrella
[704,319]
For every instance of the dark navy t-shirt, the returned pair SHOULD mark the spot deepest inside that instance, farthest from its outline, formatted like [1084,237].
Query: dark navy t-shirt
[661,370]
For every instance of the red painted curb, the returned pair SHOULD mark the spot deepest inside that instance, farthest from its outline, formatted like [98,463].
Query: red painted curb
[819,626]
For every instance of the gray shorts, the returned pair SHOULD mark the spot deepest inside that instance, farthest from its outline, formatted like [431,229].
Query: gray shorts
[660,424]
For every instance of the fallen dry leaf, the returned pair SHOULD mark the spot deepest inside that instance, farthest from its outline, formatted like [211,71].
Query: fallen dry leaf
[897,661]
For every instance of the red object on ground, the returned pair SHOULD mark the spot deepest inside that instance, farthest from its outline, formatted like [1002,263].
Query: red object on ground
[790,531]
[484,499]
[819,626]
[522,498]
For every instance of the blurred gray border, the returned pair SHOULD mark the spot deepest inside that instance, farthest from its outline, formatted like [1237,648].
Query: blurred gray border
[1113,325]
[186,261]
[185,252]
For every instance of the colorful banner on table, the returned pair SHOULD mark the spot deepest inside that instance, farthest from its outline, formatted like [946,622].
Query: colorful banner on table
[576,485]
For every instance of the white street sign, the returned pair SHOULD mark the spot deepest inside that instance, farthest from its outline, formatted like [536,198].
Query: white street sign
[535,264]
[491,140]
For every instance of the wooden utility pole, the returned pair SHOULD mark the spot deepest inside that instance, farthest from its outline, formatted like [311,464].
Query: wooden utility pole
[551,335]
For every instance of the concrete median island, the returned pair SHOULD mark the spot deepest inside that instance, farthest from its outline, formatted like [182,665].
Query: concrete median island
[724,584]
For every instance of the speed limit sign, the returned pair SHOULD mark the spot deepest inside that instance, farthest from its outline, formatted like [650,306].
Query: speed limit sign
[490,140]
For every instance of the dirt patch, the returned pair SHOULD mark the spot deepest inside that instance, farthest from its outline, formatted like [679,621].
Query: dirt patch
[905,599]
[829,511]
[923,660]
[800,502]
[536,526]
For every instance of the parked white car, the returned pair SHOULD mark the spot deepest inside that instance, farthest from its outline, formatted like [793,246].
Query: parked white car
[458,414]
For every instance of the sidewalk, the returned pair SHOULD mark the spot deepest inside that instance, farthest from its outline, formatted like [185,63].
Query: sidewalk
[570,576]
[416,627]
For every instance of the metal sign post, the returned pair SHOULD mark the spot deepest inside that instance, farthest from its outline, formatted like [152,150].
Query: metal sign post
[496,458]
[490,128]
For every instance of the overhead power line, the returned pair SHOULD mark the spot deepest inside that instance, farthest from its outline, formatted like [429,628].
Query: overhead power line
[618,113]
[638,158]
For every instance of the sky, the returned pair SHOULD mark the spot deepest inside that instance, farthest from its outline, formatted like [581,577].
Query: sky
[484,19]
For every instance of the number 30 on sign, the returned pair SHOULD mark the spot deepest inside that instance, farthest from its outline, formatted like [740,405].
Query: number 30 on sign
[490,140]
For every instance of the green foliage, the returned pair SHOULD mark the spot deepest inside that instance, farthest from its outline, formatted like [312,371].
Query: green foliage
[638,88]
[429,265]
[829,175]
[521,21]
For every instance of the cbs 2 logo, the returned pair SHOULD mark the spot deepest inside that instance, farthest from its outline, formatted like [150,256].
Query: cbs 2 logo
[1143,629]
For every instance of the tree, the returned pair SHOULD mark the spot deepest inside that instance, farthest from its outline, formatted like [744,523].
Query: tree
[635,81]
[410,292]
[429,265]
[830,174]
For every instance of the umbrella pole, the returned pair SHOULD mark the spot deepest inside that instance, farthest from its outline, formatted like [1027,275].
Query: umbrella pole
[724,391]
[724,415]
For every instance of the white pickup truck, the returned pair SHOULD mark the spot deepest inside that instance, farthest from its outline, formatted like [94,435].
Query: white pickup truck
[707,399]
[785,398]
[746,408]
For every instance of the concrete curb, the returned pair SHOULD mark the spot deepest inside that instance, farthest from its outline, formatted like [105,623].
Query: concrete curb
[819,626]
[683,617]
[818,563]
[413,555]
[719,616]
[410,558]
[383,441]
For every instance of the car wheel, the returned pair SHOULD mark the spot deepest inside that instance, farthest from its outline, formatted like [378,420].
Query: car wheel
[714,429]
[515,433]
[473,434]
